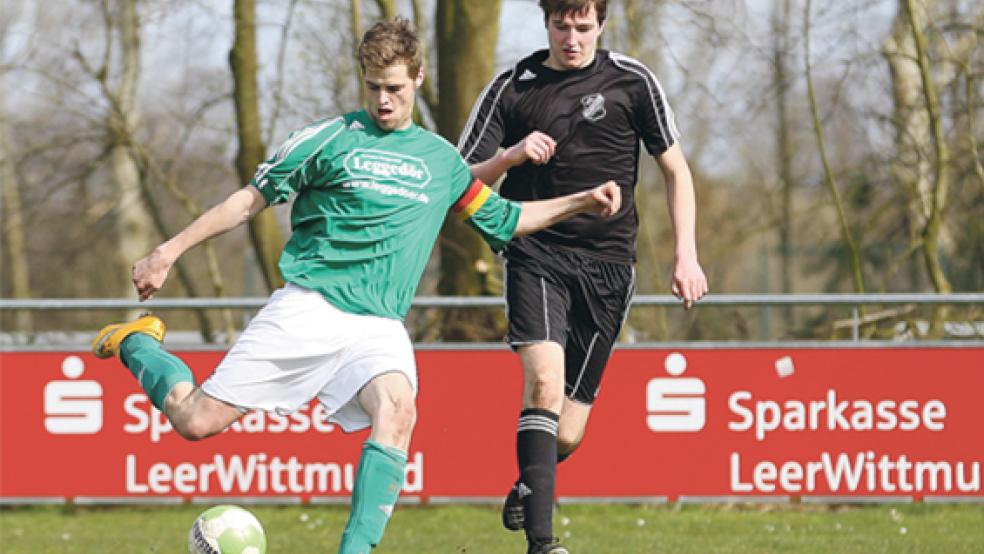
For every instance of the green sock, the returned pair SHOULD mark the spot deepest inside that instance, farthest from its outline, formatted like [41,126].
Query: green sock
[378,482]
[156,369]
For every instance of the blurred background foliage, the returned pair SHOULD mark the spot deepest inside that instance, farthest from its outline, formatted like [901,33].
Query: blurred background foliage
[836,147]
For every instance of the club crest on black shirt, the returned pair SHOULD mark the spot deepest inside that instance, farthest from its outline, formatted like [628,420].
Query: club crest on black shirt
[594,106]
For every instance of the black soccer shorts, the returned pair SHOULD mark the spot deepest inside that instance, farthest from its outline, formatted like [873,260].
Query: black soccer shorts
[575,300]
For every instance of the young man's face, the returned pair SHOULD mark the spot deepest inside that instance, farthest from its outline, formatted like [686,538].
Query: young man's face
[573,38]
[390,95]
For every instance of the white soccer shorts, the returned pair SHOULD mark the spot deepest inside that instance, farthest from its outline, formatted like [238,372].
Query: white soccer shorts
[299,347]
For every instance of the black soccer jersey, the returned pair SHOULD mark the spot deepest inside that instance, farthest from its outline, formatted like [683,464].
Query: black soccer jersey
[598,115]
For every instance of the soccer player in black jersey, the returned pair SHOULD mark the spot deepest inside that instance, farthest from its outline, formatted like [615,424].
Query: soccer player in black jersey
[579,114]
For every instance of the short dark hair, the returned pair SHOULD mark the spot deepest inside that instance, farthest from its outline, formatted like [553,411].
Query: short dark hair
[390,42]
[565,7]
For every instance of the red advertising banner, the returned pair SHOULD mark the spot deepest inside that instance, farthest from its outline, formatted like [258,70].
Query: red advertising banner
[888,422]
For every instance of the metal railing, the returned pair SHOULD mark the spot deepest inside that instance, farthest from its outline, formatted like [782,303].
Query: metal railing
[492,301]
[854,301]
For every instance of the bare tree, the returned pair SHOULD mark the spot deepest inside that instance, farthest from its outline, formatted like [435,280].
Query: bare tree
[971,100]
[427,93]
[910,165]
[781,45]
[356,38]
[466,36]
[626,30]
[13,223]
[133,223]
[264,233]
[387,8]
[846,235]
[278,88]
[139,213]
[941,163]
[74,130]
[12,228]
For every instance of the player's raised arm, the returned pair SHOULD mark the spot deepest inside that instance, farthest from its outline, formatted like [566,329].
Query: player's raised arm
[537,147]
[280,176]
[603,200]
[149,273]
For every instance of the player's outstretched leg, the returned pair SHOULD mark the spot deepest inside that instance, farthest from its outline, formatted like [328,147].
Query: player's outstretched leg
[138,346]
[109,339]
[388,399]
[378,481]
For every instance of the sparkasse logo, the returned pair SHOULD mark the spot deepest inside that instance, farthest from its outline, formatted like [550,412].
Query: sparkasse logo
[73,406]
[382,166]
[675,404]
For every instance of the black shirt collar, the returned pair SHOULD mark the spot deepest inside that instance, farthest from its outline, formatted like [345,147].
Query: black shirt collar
[537,59]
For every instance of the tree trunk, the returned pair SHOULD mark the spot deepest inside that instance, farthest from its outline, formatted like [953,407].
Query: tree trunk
[264,233]
[13,225]
[356,6]
[387,9]
[941,164]
[910,163]
[134,224]
[848,238]
[138,215]
[652,256]
[970,94]
[426,94]
[466,38]
[784,152]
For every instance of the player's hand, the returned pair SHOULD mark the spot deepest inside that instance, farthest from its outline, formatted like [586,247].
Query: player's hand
[606,198]
[689,283]
[149,274]
[537,147]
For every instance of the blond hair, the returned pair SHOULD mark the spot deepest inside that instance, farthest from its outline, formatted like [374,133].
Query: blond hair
[391,42]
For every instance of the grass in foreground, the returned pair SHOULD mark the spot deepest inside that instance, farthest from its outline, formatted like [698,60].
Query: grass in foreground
[584,529]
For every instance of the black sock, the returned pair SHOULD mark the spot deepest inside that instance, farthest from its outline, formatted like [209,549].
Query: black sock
[536,451]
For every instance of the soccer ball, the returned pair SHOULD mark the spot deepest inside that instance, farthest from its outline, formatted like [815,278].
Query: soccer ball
[226,529]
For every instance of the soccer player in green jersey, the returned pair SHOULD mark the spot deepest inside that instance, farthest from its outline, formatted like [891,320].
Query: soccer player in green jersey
[371,193]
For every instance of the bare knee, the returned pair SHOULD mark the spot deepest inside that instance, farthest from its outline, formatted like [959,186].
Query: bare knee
[389,401]
[193,430]
[568,441]
[197,416]
[543,369]
[396,417]
[544,391]
[573,423]
[404,415]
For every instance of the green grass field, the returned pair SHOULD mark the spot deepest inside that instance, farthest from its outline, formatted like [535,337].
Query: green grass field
[585,529]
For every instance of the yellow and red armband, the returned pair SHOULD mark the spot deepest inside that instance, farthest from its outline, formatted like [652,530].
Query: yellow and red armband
[472,200]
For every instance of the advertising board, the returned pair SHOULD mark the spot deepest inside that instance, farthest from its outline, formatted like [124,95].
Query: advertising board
[895,423]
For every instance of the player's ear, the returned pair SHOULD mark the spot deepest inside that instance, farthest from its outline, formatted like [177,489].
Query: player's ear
[420,77]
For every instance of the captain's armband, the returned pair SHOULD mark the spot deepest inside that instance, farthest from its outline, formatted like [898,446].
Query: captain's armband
[472,200]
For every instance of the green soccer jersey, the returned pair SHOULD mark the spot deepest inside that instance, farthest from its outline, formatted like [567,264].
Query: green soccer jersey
[368,209]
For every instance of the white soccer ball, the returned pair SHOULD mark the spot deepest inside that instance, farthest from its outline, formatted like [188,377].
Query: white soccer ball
[226,529]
